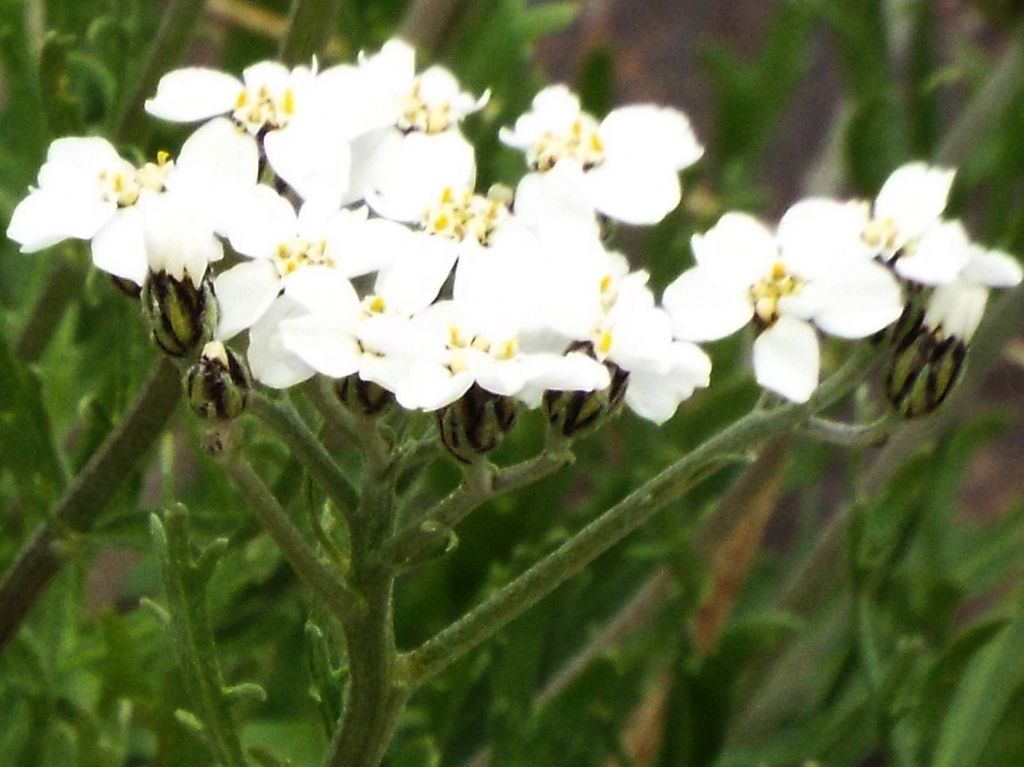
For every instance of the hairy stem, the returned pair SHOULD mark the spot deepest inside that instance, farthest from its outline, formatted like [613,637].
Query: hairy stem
[288,425]
[336,594]
[112,463]
[408,543]
[377,689]
[185,581]
[614,524]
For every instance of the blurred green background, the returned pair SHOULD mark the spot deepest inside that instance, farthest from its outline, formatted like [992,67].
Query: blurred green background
[867,611]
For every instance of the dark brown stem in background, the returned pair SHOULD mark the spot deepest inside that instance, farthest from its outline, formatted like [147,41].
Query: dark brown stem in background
[40,559]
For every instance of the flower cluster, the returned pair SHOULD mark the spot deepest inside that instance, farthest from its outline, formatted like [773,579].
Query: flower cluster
[358,246]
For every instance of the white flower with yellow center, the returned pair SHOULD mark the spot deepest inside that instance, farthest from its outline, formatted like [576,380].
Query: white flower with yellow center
[289,113]
[87,191]
[401,168]
[784,285]
[449,347]
[955,309]
[905,226]
[629,161]
[280,243]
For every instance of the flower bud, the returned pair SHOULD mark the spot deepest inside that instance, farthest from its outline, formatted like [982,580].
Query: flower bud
[476,423]
[218,384]
[364,397]
[573,412]
[179,314]
[923,370]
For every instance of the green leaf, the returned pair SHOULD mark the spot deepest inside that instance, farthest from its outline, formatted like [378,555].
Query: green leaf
[981,698]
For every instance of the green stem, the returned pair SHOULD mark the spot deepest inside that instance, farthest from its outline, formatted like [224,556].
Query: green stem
[88,495]
[287,424]
[408,543]
[63,284]
[851,434]
[342,601]
[322,394]
[169,46]
[377,689]
[614,524]
[310,24]
[185,581]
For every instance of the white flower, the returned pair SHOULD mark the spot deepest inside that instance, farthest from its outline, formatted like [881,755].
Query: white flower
[87,191]
[955,310]
[269,361]
[629,162]
[906,226]
[743,274]
[402,168]
[280,243]
[450,347]
[292,113]
[636,335]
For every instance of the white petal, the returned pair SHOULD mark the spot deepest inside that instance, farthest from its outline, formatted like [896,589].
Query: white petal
[786,359]
[938,257]
[413,281]
[705,309]
[859,300]
[194,93]
[217,167]
[244,293]
[269,361]
[914,197]
[312,158]
[324,345]
[179,236]
[992,268]
[46,217]
[504,377]
[360,246]
[410,173]
[655,394]
[956,309]
[260,222]
[816,233]
[325,292]
[650,135]
[633,192]
[739,248]
[119,248]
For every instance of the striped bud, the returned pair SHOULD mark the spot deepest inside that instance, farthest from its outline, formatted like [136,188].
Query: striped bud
[364,397]
[179,314]
[218,384]
[571,413]
[923,370]
[476,423]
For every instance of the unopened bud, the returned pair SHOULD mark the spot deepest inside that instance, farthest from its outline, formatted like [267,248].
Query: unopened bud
[923,371]
[476,423]
[364,397]
[179,314]
[218,384]
[571,413]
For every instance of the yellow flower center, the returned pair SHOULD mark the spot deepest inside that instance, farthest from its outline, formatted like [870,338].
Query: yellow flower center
[461,345]
[582,142]
[298,253]
[124,183]
[881,233]
[417,114]
[462,215]
[256,108]
[769,290]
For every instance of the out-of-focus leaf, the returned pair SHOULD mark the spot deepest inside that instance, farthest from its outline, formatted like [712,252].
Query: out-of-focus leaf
[990,680]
